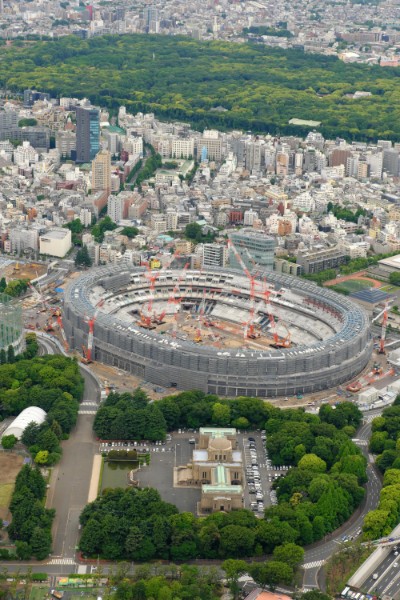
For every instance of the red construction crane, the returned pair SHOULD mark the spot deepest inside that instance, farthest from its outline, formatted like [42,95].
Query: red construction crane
[62,331]
[250,330]
[383,332]
[91,323]
[158,319]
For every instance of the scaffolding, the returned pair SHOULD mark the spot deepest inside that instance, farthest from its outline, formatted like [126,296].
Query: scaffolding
[11,324]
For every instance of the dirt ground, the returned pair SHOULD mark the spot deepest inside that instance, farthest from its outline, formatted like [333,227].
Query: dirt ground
[359,275]
[25,271]
[10,465]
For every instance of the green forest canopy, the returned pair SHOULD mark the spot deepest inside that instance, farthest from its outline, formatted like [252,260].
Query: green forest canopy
[262,88]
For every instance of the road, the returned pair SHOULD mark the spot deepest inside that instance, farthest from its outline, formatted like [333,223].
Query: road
[69,489]
[69,486]
[316,556]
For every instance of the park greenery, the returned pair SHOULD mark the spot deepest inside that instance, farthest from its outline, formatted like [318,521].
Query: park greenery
[103,225]
[30,527]
[320,491]
[346,214]
[14,287]
[260,87]
[194,233]
[54,384]
[82,258]
[385,442]
[186,582]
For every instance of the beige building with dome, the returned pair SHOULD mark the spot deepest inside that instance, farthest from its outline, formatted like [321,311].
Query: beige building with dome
[216,467]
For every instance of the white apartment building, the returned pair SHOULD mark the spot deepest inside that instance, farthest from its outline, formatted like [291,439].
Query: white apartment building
[249,217]
[172,220]
[214,255]
[115,208]
[182,148]
[159,223]
[25,155]
[85,217]
[22,239]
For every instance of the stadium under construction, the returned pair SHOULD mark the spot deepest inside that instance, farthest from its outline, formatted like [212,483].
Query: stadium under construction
[218,330]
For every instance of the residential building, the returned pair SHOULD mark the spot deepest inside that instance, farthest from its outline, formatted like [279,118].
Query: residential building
[214,255]
[101,171]
[314,261]
[66,143]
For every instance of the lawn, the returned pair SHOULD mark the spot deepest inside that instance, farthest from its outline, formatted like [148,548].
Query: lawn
[10,465]
[6,491]
[38,592]
[351,285]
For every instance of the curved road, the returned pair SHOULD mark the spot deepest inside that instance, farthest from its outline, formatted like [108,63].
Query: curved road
[320,552]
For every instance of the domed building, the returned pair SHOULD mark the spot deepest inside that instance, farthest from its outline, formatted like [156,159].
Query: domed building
[216,467]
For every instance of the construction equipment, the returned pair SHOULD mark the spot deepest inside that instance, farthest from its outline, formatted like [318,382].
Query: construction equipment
[249,329]
[383,332]
[62,331]
[85,360]
[159,319]
[48,326]
[91,323]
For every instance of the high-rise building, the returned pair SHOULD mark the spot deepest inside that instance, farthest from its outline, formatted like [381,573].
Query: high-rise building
[253,247]
[151,19]
[101,171]
[87,133]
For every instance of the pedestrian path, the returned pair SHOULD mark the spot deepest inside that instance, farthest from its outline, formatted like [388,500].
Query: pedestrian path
[314,564]
[62,561]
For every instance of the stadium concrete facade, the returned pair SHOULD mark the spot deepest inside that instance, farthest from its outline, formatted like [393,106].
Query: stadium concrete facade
[330,336]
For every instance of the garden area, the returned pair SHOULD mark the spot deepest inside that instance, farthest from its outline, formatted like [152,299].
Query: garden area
[10,465]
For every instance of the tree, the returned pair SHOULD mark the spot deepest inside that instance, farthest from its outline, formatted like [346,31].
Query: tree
[234,569]
[40,543]
[23,550]
[221,414]
[289,553]
[82,258]
[237,541]
[8,441]
[130,232]
[28,122]
[271,573]
[10,354]
[3,357]
[312,462]
[394,278]
[42,457]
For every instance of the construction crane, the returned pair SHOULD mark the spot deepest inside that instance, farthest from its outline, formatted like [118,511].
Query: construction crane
[278,342]
[249,327]
[84,358]
[158,319]
[91,323]
[62,331]
[39,296]
[383,332]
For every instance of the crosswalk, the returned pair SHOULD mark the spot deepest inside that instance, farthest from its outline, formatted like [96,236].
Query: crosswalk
[62,561]
[89,404]
[87,412]
[314,564]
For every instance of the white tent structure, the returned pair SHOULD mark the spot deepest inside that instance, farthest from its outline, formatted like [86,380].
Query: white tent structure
[32,413]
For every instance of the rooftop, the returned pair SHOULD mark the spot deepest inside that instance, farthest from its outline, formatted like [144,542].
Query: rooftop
[370,295]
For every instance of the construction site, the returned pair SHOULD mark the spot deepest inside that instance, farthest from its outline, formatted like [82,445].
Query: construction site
[224,331]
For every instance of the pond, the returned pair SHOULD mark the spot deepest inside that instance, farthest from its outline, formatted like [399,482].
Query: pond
[115,473]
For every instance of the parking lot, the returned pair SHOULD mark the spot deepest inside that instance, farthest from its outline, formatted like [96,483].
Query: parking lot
[175,451]
[259,473]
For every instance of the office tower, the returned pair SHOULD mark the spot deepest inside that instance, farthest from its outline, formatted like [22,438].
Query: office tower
[254,248]
[87,133]
[151,19]
[101,171]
